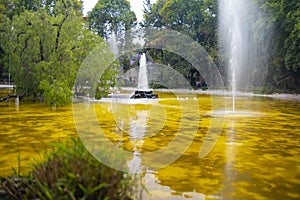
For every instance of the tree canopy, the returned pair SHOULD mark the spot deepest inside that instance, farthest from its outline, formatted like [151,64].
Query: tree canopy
[45,47]
[197,19]
[108,16]
[279,24]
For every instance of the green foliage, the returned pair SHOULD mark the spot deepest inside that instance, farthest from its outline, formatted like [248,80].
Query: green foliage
[47,48]
[70,172]
[56,7]
[5,33]
[114,15]
[99,94]
[17,7]
[98,72]
[281,23]
[9,8]
[108,81]
[196,19]
[272,58]
[292,43]
[58,93]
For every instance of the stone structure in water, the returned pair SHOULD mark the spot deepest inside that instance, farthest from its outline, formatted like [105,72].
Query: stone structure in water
[144,94]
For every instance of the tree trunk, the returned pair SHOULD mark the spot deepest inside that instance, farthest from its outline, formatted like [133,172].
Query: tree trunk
[12,96]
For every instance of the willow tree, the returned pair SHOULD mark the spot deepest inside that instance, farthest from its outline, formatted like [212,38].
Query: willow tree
[48,47]
[8,9]
[5,33]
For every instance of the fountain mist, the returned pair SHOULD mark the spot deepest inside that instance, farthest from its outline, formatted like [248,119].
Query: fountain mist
[113,44]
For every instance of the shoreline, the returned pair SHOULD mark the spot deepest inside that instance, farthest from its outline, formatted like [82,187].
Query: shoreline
[278,96]
[3,86]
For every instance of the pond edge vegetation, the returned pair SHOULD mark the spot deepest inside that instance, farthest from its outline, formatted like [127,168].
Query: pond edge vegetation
[69,171]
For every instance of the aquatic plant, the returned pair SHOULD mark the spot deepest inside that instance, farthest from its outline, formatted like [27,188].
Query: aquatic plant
[69,172]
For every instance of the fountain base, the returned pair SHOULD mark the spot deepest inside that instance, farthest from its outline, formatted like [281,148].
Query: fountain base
[139,94]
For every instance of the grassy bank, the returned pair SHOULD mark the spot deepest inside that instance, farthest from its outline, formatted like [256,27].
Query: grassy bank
[69,172]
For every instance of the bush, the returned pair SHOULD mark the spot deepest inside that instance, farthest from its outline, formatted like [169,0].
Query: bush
[57,93]
[70,172]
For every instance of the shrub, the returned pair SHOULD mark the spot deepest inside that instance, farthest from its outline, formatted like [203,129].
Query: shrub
[70,172]
[56,93]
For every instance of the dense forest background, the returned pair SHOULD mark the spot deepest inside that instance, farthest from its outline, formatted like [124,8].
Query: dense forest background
[44,42]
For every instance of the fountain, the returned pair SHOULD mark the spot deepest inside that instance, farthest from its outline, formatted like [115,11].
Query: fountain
[143,90]
[233,38]
[143,79]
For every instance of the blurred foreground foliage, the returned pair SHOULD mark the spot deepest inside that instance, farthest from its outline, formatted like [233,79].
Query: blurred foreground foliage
[70,172]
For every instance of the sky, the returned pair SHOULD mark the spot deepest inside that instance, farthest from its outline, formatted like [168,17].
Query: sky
[136,6]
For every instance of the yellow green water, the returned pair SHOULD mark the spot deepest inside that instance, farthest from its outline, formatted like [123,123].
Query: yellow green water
[257,155]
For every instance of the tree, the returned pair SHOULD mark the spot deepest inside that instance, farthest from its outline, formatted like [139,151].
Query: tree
[15,7]
[108,16]
[5,33]
[55,7]
[292,43]
[282,71]
[8,9]
[196,19]
[48,47]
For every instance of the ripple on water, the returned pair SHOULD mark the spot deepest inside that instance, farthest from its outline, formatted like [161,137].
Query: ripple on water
[237,113]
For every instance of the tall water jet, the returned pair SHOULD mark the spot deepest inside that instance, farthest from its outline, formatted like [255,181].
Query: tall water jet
[233,38]
[143,90]
[143,79]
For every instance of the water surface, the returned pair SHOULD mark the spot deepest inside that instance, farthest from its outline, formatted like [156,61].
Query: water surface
[257,155]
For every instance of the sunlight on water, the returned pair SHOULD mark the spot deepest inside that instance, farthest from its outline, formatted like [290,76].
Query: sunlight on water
[257,155]
[232,113]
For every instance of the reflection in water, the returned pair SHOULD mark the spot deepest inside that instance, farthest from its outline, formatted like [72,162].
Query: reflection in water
[27,131]
[137,133]
[229,172]
[256,157]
